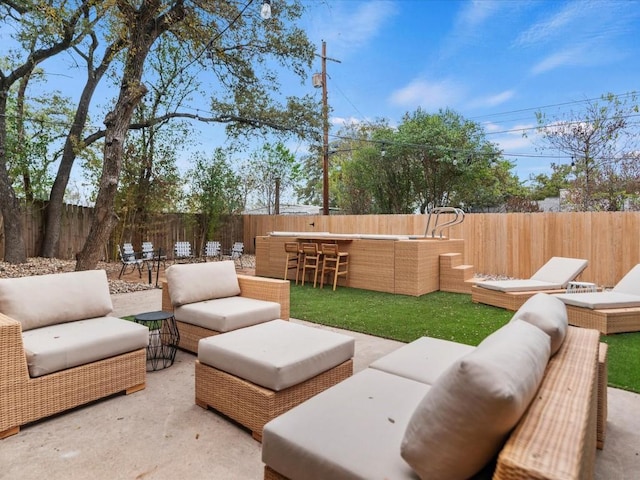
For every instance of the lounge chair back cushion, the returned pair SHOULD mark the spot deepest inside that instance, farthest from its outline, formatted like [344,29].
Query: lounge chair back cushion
[196,282]
[463,420]
[547,313]
[42,300]
[560,270]
[630,283]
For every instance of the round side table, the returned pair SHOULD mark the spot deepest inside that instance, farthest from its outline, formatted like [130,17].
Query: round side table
[163,338]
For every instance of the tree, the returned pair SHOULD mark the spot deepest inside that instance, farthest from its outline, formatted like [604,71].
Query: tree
[245,101]
[597,140]
[43,31]
[269,167]
[215,190]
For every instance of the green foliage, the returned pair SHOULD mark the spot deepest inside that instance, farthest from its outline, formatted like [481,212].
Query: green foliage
[267,166]
[602,143]
[215,190]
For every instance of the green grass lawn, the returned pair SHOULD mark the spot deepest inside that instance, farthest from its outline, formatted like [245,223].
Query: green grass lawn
[449,316]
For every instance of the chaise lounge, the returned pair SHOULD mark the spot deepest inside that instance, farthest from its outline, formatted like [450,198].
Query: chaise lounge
[613,311]
[552,277]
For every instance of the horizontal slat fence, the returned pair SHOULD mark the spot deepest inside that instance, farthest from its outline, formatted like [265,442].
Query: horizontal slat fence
[512,244]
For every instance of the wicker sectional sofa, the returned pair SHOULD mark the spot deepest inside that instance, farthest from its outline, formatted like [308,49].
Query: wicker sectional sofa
[210,298]
[523,404]
[60,348]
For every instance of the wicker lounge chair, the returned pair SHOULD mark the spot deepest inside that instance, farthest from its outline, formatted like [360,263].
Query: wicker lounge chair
[614,311]
[552,277]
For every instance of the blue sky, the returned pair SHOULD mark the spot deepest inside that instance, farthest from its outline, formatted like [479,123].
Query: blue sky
[495,62]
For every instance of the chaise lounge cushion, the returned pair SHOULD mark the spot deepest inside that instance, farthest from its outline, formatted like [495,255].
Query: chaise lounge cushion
[547,313]
[293,353]
[351,430]
[553,275]
[42,300]
[58,347]
[422,360]
[463,420]
[195,282]
[226,314]
[600,300]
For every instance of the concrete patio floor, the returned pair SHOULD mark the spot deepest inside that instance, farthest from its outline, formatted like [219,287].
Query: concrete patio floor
[159,432]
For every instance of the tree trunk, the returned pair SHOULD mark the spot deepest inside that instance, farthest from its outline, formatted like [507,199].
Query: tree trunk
[145,28]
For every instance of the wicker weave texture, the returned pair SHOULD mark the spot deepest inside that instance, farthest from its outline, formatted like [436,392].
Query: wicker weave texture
[253,406]
[603,380]
[615,320]
[271,474]
[24,399]
[454,276]
[557,437]
[507,300]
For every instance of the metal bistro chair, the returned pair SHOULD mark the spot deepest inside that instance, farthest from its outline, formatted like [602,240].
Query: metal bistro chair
[311,261]
[333,263]
[294,259]
[182,251]
[128,259]
[149,255]
[212,249]
[236,252]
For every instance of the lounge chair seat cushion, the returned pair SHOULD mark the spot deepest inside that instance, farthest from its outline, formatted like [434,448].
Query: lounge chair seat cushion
[276,354]
[42,300]
[65,345]
[422,360]
[600,300]
[226,314]
[553,275]
[464,418]
[519,285]
[352,430]
[547,313]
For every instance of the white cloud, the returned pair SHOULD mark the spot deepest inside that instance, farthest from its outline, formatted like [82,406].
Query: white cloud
[553,26]
[432,96]
[493,100]
[570,56]
[347,30]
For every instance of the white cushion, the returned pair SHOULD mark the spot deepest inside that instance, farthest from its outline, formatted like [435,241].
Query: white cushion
[58,347]
[547,313]
[227,314]
[518,285]
[600,300]
[630,283]
[463,420]
[352,430]
[276,354]
[194,282]
[560,270]
[42,300]
[422,360]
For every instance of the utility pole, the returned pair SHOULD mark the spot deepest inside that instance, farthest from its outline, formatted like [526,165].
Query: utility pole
[325,128]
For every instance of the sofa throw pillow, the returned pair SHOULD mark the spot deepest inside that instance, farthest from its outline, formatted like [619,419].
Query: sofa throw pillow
[547,313]
[464,419]
[196,282]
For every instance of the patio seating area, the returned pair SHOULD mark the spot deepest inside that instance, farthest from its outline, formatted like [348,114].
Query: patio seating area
[161,433]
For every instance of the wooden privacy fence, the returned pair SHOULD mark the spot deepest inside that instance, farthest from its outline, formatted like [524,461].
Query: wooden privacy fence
[512,244]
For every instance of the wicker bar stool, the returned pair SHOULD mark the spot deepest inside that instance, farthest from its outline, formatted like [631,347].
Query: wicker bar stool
[334,262]
[311,261]
[294,259]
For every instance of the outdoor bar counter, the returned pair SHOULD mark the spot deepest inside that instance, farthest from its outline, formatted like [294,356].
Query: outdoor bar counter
[402,264]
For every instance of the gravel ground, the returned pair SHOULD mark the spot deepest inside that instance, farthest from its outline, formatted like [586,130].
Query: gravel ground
[43,266]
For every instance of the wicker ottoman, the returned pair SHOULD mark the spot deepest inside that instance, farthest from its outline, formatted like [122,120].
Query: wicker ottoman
[254,374]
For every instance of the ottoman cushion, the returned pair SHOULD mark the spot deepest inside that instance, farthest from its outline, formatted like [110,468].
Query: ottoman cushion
[276,354]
